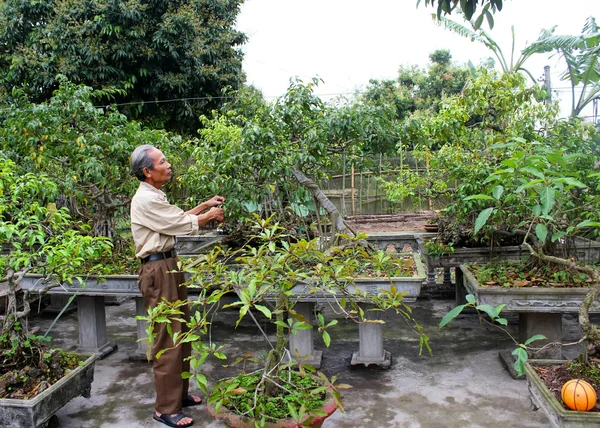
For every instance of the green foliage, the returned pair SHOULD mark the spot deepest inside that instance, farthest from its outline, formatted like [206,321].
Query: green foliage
[300,394]
[248,152]
[468,8]
[525,274]
[39,237]
[83,149]
[581,54]
[415,89]
[157,50]
[270,277]
[436,248]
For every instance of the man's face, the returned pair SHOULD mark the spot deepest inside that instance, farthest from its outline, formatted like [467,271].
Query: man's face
[161,173]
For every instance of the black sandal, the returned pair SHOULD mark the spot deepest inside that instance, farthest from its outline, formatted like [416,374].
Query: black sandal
[172,420]
[189,401]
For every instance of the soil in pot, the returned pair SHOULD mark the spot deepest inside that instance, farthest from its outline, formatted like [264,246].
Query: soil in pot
[527,273]
[30,376]
[555,376]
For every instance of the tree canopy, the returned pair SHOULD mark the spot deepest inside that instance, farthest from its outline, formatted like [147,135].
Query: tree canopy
[468,7]
[154,50]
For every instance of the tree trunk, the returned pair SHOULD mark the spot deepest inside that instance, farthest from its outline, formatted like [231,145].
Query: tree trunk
[338,222]
[275,356]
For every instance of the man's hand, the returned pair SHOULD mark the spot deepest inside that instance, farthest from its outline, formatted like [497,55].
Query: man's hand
[215,200]
[216,214]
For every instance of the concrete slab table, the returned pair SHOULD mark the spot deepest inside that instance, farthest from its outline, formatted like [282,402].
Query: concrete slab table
[540,309]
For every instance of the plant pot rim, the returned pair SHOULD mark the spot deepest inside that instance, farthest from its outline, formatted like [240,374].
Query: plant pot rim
[562,413]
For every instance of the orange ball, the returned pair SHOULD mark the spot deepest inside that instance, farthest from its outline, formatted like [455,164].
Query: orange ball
[577,394]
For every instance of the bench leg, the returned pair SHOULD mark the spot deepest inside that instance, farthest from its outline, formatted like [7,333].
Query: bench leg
[430,276]
[461,291]
[370,342]
[140,353]
[301,343]
[92,327]
[447,276]
[550,325]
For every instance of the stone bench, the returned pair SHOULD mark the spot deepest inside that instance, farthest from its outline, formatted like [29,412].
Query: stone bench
[93,338]
[540,309]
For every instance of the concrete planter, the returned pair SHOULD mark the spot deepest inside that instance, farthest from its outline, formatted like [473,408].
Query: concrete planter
[36,413]
[527,299]
[542,398]
[540,309]
[372,286]
[94,285]
[196,244]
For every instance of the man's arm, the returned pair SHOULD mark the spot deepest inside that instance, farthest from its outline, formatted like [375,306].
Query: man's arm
[199,209]
[212,214]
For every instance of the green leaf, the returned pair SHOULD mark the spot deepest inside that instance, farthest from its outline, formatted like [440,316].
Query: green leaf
[491,311]
[482,218]
[451,315]
[534,338]
[547,199]
[470,298]
[497,192]
[326,338]
[479,196]
[264,310]
[519,364]
[541,231]
[588,223]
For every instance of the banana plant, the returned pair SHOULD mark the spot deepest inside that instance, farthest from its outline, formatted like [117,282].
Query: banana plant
[581,57]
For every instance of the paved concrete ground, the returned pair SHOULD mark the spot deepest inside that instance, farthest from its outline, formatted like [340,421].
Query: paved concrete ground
[463,384]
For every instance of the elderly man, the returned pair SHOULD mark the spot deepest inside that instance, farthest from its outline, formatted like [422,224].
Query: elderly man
[154,225]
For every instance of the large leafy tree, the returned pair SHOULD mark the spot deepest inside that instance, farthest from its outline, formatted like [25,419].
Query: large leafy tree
[417,90]
[84,149]
[155,50]
[487,8]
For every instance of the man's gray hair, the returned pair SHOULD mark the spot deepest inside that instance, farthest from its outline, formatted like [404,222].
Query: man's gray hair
[140,159]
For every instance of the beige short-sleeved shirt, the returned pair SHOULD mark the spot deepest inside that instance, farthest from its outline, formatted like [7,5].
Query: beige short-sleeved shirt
[155,222]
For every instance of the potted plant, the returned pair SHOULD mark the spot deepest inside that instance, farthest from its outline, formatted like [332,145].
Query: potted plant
[36,380]
[545,194]
[264,279]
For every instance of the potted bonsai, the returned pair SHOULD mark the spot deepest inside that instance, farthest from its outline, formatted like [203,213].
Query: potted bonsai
[269,278]
[35,379]
[547,195]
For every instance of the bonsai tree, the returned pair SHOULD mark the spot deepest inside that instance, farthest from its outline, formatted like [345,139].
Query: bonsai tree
[269,278]
[268,158]
[36,237]
[546,194]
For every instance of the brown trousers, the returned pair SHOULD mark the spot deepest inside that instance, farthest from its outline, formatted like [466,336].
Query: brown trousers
[156,282]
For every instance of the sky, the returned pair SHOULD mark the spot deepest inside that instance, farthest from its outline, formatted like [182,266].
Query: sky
[348,42]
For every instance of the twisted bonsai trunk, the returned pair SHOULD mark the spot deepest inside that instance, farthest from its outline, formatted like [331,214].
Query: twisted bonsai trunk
[591,331]
[276,355]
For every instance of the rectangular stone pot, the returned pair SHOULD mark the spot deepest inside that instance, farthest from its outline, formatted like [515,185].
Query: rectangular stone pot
[372,286]
[527,299]
[542,398]
[540,309]
[36,413]
[94,285]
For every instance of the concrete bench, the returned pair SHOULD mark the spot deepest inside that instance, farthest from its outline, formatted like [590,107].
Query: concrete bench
[540,309]
[92,316]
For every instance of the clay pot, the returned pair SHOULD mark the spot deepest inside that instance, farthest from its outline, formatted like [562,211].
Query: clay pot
[431,228]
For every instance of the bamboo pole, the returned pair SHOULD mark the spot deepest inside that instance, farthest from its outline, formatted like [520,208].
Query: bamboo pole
[352,190]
